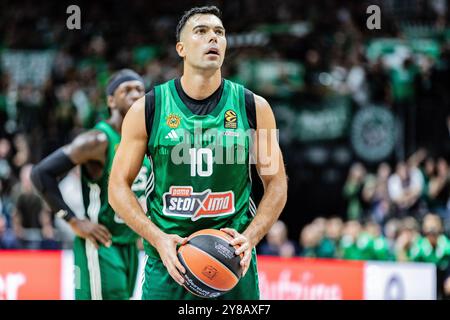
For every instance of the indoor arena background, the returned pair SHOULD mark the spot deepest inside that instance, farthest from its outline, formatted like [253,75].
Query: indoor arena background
[363,116]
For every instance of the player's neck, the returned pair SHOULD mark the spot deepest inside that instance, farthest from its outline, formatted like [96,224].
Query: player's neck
[200,86]
[115,121]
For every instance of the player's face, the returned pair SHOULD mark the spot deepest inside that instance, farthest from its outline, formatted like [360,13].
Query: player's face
[203,42]
[126,94]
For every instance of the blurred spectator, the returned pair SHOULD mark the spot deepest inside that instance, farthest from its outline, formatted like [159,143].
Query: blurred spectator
[428,170]
[439,190]
[376,194]
[277,243]
[405,188]
[32,219]
[330,242]
[433,247]
[320,223]
[353,191]
[392,229]
[7,237]
[364,243]
[348,246]
[407,236]
[5,155]
[3,102]
[22,155]
[310,239]
[357,81]
[378,246]
[320,238]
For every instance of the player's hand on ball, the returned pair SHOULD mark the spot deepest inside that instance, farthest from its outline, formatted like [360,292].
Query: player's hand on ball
[245,247]
[91,231]
[167,249]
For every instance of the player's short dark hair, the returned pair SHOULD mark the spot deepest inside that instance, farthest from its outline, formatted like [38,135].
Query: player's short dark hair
[192,12]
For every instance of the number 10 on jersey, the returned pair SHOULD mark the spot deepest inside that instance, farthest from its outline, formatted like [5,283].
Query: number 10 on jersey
[197,156]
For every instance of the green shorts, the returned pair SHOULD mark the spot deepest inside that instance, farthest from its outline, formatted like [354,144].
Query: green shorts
[159,285]
[104,273]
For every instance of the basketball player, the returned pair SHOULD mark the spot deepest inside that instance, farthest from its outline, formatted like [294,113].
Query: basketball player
[202,192]
[105,251]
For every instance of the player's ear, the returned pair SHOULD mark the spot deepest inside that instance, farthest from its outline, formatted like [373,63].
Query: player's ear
[180,49]
[111,102]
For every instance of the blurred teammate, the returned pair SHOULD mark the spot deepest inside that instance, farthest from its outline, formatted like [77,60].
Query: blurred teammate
[210,116]
[106,256]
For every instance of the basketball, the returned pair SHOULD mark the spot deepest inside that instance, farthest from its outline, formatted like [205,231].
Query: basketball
[212,267]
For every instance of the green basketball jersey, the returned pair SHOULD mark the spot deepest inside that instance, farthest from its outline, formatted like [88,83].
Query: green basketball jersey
[423,251]
[95,192]
[201,164]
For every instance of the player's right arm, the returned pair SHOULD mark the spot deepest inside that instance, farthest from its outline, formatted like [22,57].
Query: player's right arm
[89,146]
[126,165]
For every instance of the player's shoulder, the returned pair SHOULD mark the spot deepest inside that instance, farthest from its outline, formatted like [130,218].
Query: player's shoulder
[264,113]
[139,105]
[261,104]
[260,101]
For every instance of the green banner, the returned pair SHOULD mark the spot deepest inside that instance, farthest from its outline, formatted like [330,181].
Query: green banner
[326,120]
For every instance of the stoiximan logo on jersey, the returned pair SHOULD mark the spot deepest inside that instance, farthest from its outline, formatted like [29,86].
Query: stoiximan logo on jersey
[183,202]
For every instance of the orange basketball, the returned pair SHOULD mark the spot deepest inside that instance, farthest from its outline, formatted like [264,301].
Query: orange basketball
[212,267]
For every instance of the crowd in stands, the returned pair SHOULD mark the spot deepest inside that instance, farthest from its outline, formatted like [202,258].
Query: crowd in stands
[413,187]
[400,214]
[401,239]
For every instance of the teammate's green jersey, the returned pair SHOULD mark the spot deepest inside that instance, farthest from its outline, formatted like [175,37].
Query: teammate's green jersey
[201,164]
[95,192]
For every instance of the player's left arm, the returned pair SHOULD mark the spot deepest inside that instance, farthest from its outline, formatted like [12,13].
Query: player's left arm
[270,167]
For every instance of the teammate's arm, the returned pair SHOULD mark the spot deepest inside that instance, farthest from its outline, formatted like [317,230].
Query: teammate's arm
[270,167]
[126,165]
[89,146]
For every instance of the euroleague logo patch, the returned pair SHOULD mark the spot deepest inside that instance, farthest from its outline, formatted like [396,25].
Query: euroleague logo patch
[230,120]
[210,272]
[183,202]
[173,120]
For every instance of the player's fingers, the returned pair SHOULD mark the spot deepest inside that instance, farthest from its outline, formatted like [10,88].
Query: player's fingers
[245,262]
[240,239]
[230,231]
[246,259]
[180,240]
[242,248]
[102,238]
[105,230]
[179,266]
[175,274]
